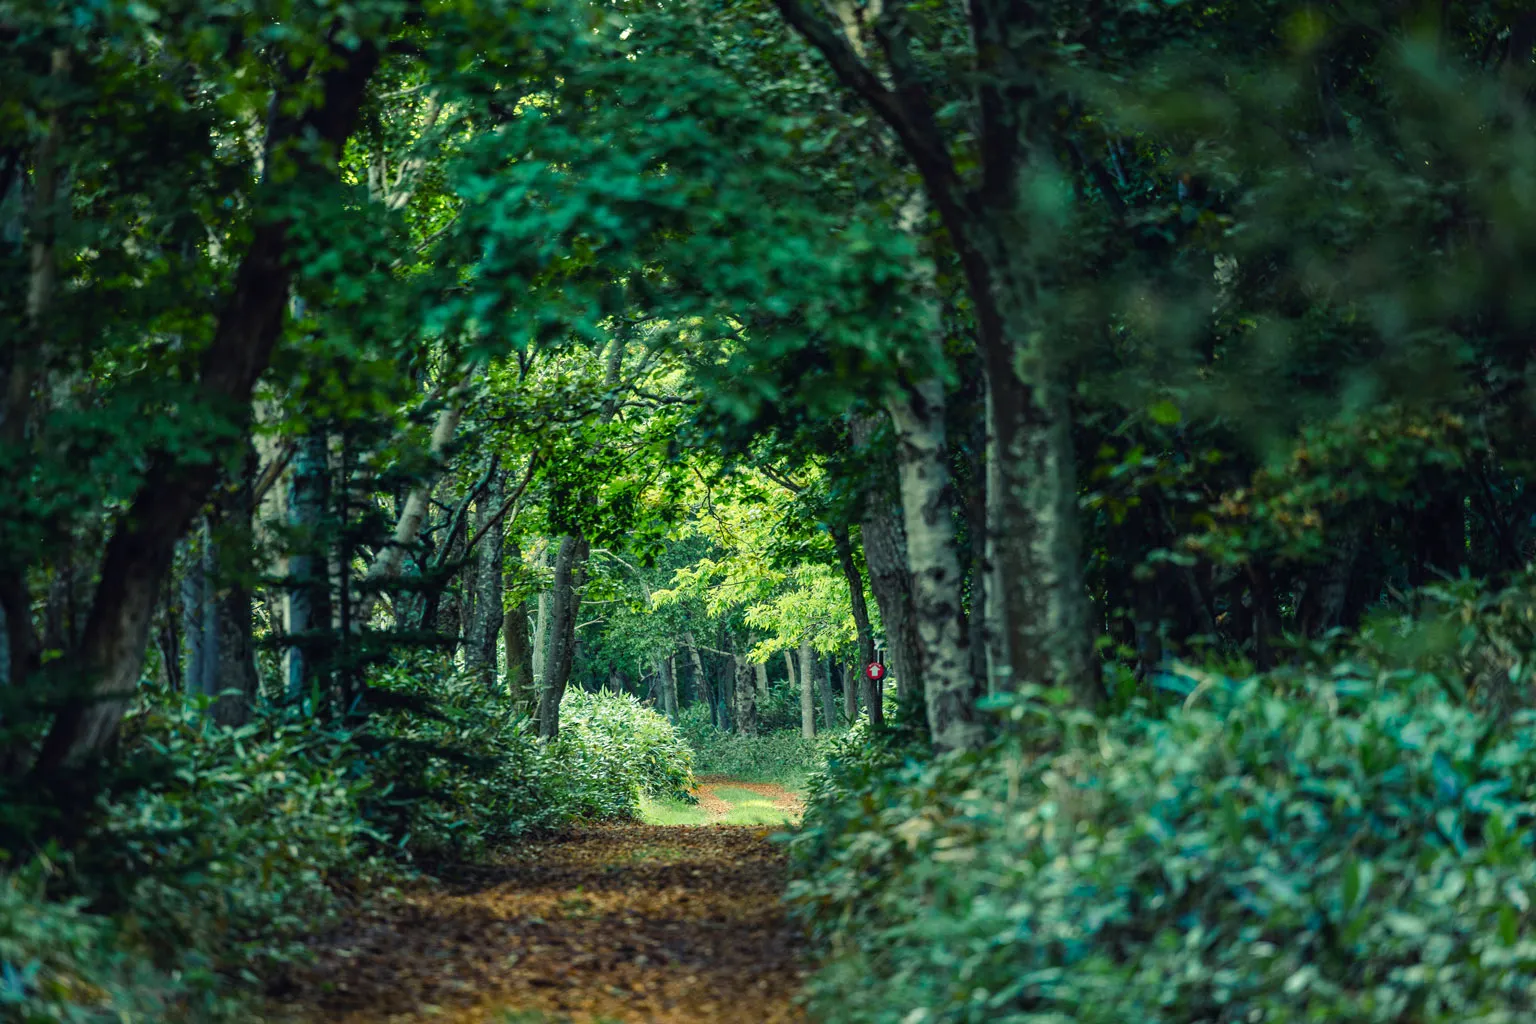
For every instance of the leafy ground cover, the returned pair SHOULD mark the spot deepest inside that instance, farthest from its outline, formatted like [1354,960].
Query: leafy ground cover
[623,923]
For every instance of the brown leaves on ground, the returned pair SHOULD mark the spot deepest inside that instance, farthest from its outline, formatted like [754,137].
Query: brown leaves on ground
[626,923]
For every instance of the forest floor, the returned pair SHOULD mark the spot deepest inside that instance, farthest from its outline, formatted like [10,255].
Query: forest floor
[677,923]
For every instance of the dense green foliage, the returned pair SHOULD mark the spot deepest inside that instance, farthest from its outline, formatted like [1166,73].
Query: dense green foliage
[612,749]
[426,422]
[1349,844]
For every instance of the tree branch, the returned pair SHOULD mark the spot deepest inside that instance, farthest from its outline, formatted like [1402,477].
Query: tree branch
[906,111]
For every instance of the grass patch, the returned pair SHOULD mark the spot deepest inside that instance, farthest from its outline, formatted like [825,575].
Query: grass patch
[654,811]
[746,808]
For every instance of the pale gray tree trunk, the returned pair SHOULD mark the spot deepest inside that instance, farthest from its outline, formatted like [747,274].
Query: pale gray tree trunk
[541,619]
[199,612]
[760,672]
[668,670]
[746,696]
[304,610]
[701,688]
[949,687]
[807,692]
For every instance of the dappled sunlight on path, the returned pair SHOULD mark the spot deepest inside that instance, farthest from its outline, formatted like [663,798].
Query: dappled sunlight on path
[632,923]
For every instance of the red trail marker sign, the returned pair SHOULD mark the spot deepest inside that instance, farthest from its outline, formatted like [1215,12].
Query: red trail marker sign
[874,671]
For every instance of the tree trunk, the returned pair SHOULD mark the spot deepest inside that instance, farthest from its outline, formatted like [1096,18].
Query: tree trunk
[949,688]
[885,552]
[866,635]
[390,560]
[199,615]
[1038,596]
[760,677]
[789,667]
[851,676]
[807,694]
[307,617]
[746,696]
[515,635]
[828,704]
[667,667]
[541,620]
[137,558]
[565,605]
[485,623]
[700,683]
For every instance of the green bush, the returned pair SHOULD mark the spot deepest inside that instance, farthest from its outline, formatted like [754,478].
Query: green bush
[611,749]
[61,964]
[1351,847]
[236,847]
[784,756]
[455,768]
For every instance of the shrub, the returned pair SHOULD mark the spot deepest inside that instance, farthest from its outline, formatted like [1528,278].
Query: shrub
[456,769]
[611,749]
[61,964]
[236,846]
[1348,848]
[772,757]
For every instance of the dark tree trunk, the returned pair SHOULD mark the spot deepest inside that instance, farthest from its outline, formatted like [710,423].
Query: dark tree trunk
[570,564]
[236,680]
[828,706]
[138,556]
[865,633]
[885,552]
[486,617]
[516,631]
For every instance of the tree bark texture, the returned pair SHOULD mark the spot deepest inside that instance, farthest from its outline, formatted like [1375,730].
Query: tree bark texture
[139,554]
[746,696]
[807,693]
[486,619]
[885,552]
[828,702]
[865,633]
[565,603]
[667,667]
[949,688]
[515,630]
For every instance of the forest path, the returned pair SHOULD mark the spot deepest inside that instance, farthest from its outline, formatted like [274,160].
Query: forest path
[624,923]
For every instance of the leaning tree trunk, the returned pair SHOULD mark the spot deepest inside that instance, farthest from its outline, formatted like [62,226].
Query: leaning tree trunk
[485,622]
[565,604]
[137,558]
[866,635]
[949,687]
[807,694]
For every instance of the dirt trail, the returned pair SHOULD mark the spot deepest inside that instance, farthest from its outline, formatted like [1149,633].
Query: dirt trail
[719,807]
[631,923]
